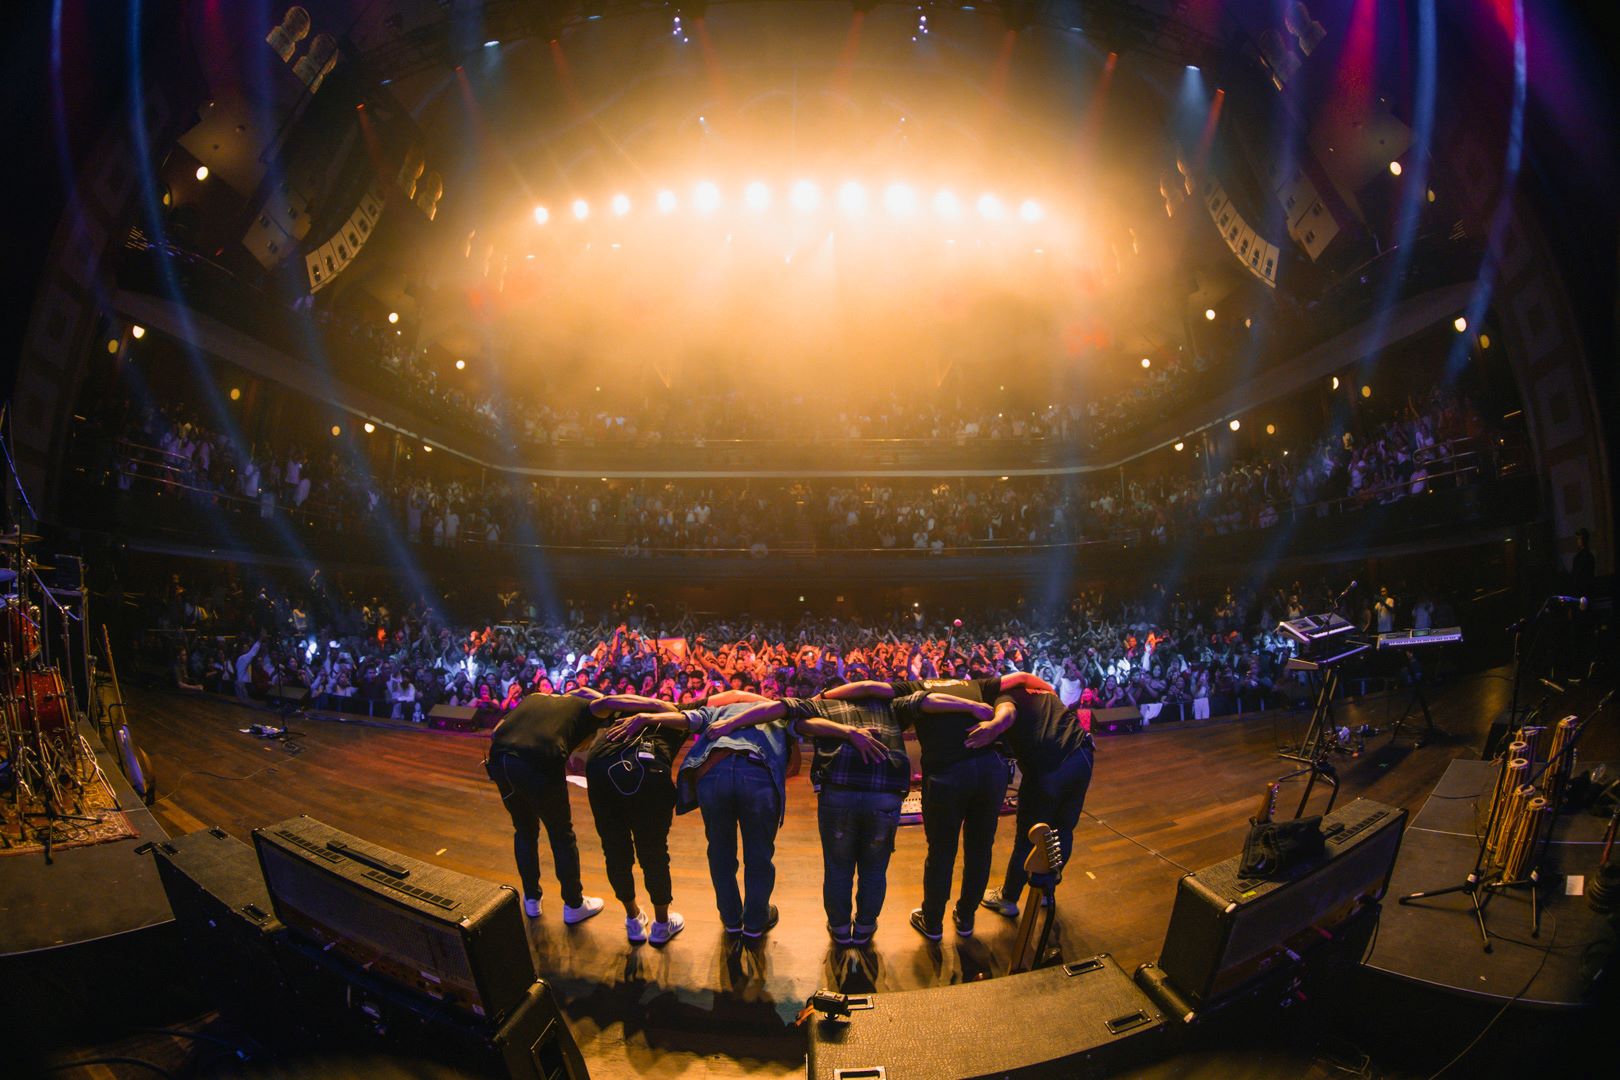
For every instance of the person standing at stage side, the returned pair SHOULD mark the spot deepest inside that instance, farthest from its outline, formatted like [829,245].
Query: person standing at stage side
[1053,746]
[528,757]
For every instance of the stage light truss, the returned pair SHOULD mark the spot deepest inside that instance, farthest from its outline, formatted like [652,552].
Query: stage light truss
[1152,28]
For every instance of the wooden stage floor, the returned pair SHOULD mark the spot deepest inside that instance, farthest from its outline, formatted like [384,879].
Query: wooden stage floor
[1175,797]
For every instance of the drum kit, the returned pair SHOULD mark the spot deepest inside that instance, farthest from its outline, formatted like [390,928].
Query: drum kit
[45,760]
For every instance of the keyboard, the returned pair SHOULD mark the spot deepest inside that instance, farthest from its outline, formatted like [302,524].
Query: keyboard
[1411,639]
[1334,659]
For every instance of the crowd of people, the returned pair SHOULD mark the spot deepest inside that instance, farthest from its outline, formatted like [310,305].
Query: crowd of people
[1203,650]
[1441,437]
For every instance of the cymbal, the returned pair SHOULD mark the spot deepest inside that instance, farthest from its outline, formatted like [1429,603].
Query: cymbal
[7,575]
[9,536]
[41,566]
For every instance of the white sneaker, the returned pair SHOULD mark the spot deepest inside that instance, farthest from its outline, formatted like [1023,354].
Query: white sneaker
[590,906]
[663,931]
[531,908]
[636,929]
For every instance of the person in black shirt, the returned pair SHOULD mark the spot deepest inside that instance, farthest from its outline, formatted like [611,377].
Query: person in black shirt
[528,757]
[1053,746]
[631,787]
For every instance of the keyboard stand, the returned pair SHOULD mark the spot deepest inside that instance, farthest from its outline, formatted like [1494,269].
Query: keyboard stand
[1321,735]
[1421,702]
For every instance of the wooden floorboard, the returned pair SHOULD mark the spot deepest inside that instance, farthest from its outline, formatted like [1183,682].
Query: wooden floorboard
[698,1008]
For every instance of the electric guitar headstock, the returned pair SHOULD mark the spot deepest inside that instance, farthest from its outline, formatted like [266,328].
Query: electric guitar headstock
[1046,850]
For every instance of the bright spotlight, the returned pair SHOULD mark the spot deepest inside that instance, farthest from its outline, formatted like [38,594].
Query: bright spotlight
[805,197]
[541,215]
[1394,168]
[1460,323]
[946,204]
[990,207]
[1180,446]
[899,199]
[1209,313]
[1271,429]
[621,204]
[756,196]
[393,317]
[369,427]
[1146,363]
[1366,391]
[1030,210]
[461,365]
[137,331]
[426,449]
[1235,424]
[667,201]
[202,172]
[492,43]
[582,209]
[852,198]
[336,431]
[706,197]
[1335,382]
[236,393]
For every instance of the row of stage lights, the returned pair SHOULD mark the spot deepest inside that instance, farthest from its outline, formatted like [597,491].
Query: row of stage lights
[898,199]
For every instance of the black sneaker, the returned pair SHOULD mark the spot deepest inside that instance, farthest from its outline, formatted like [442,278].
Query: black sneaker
[861,936]
[771,919]
[964,923]
[919,924]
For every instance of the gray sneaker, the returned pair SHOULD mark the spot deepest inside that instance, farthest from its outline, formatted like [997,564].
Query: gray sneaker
[995,903]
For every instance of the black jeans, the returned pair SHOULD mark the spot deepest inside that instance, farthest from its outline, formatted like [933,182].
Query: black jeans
[535,793]
[1054,796]
[963,798]
[634,828]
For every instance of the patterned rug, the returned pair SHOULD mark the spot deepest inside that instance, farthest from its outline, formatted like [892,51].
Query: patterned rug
[96,802]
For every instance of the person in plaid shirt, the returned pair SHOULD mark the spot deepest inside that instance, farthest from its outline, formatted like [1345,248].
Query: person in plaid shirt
[858,810]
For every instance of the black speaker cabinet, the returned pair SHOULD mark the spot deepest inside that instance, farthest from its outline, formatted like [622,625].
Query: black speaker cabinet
[454,939]
[1081,1019]
[228,927]
[1226,930]
[461,718]
[364,1014]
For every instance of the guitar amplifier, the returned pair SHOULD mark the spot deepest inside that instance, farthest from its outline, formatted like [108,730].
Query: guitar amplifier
[1084,1018]
[447,937]
[1226,930]
[228,929]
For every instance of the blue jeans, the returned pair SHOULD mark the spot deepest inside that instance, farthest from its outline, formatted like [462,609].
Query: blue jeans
[857,835]
[739,795]
[1054,797]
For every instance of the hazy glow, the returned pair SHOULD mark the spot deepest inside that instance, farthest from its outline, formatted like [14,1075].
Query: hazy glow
[990,207]
[757,196]
[805,196]
[336,431]
[1366,391]
[1271,429]
[236,393]
[582,209]
[946,204]
[461,365]
[1030,211]
[706,197]
[621,204]
[900,200]
[541,215]
[667,202]
[852,198]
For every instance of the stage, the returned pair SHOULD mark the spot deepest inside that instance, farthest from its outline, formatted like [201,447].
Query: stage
[1170,798]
